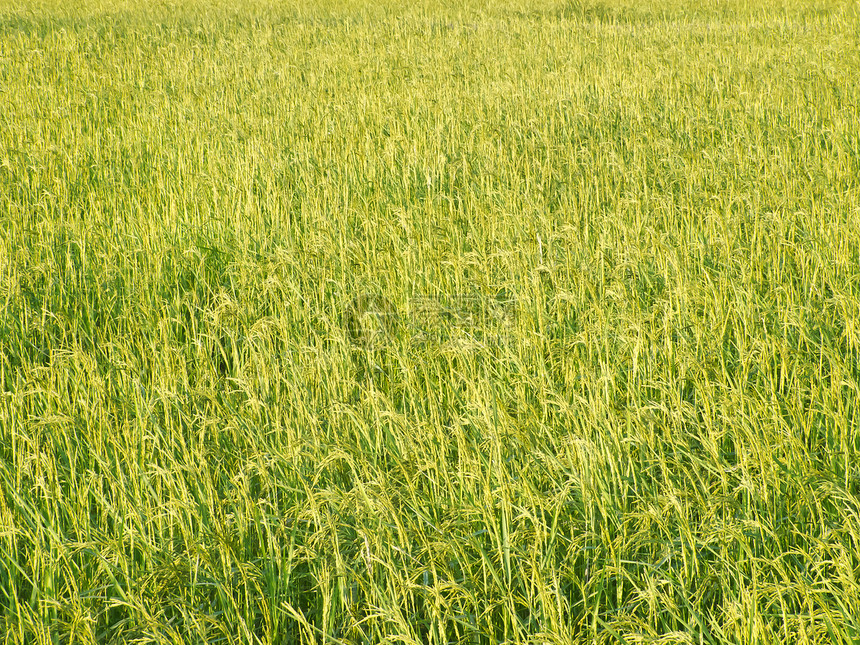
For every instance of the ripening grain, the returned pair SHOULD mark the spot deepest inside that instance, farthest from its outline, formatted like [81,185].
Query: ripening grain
[435,322]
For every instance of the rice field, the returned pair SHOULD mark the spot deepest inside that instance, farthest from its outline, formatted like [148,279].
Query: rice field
[481,322]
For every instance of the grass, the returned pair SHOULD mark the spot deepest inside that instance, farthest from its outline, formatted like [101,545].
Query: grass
[495,322]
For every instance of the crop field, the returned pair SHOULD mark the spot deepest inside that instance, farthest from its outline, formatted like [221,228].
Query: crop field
[479,322]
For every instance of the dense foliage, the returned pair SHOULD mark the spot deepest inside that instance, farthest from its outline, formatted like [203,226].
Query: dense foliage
[432,322]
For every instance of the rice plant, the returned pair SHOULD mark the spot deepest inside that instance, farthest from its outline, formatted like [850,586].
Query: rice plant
[497,321]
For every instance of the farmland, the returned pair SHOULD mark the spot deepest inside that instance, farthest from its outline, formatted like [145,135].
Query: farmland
[429,322]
